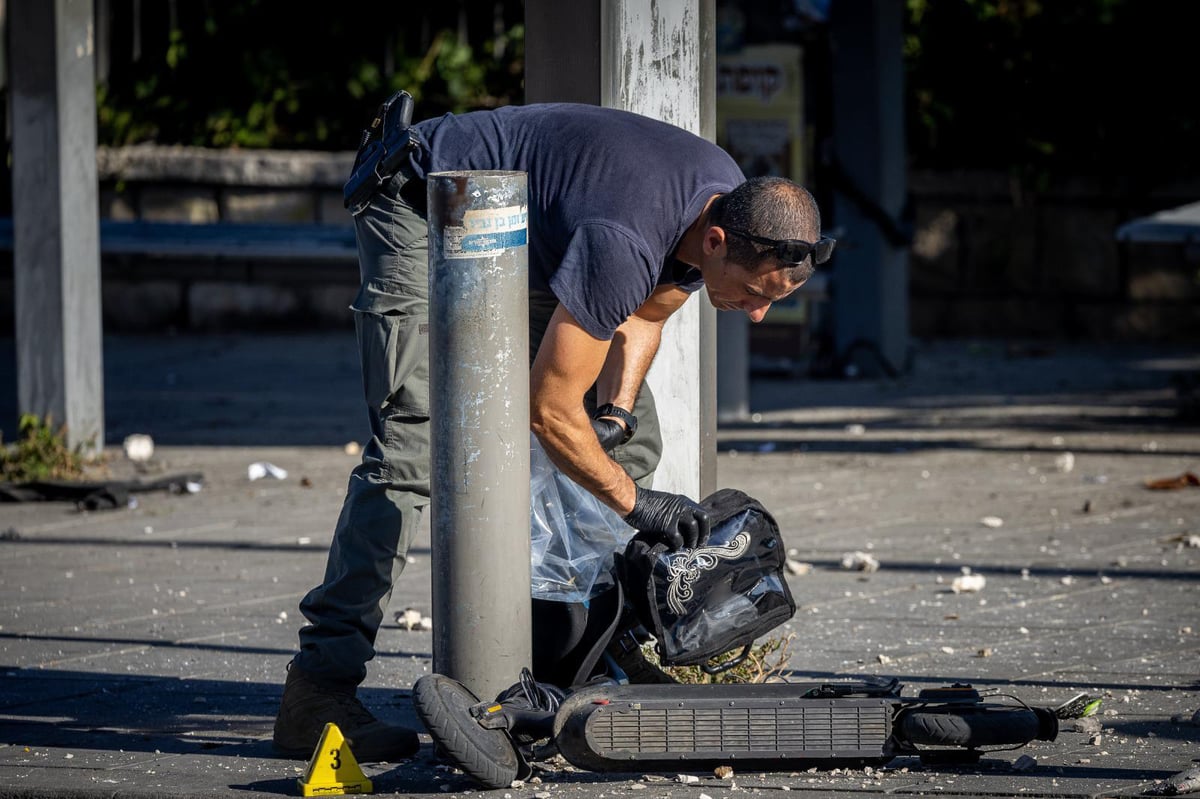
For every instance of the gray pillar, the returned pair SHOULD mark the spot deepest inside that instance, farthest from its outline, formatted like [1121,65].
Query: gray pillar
[479,403]
[655,59]
[56,260]
[870,274]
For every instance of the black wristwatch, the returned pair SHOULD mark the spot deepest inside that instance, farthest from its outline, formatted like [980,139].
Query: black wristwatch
[608,409]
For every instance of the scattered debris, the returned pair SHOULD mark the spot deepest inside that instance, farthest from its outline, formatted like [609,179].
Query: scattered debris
[1183,782]
[1184,718]
[1087,506]
[305,482]
[409,618]
[1024,763]
[1188,540]
[968,583]
[261,469]
[687,779]
[1096,740]
[992,521]
[986,652]
[1065,462]
[860,561]
[797,567]
[1185,480]
[948,650]
[884,660]
[723,772]
[855,429]
[138,447]
[1067,580]
[1079,706]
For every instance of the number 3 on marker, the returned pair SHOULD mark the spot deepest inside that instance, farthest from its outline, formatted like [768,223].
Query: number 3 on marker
[336,755]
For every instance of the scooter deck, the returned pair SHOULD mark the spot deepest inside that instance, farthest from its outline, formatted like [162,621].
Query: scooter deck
[662,727]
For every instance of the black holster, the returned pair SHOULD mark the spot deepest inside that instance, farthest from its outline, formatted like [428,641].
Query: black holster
[385,144]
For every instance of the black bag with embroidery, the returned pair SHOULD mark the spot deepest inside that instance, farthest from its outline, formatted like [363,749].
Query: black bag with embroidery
[699,603]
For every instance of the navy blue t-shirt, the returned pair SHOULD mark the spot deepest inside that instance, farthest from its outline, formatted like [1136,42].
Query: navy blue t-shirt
[610,196]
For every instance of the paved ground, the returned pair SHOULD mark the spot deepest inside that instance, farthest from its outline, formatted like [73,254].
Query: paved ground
[142,650]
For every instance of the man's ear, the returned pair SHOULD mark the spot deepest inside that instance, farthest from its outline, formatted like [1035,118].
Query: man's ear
[714,239]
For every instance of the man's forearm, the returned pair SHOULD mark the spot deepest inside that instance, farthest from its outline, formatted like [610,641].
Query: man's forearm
[571,444]
[633,349]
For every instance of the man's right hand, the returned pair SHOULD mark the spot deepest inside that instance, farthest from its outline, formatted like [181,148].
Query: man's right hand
[610,432]
[677,520]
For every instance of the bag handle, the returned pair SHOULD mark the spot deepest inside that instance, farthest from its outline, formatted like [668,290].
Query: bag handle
[712,670]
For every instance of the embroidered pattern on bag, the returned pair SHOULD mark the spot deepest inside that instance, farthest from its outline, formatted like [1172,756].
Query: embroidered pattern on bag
[685,569]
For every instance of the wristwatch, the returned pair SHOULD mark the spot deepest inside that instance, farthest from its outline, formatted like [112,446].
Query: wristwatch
[608,409]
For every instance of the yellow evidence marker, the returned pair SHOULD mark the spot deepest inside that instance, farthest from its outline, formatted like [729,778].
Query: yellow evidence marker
[333,769]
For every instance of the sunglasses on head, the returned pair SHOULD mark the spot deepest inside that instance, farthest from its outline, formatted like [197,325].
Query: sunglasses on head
[792,251]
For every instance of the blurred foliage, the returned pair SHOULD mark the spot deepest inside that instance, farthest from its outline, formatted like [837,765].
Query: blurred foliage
[40,452]
[1063,87]
[233,74]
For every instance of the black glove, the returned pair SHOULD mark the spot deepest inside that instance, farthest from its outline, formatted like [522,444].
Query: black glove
[609,431]
[675,519]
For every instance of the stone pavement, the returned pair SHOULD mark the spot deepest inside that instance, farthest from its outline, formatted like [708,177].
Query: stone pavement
[142,650]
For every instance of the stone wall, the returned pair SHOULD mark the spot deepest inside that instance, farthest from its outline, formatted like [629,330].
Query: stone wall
[991,258]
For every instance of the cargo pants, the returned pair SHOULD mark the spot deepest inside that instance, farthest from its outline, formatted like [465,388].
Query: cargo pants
[389,490]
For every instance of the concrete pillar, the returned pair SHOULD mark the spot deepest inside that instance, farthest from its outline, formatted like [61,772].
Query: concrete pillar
[479,404]
[56,255]
[656,59]
[870,273]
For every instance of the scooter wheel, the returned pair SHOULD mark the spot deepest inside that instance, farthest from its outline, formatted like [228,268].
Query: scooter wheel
[973,727]
[487,756]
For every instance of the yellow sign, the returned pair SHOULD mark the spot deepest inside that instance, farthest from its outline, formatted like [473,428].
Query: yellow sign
[760,110]
[333,770]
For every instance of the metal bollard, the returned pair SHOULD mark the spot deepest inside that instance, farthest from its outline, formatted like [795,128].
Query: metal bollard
[479,402]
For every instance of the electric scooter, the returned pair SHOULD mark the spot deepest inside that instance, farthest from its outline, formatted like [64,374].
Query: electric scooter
[609,726]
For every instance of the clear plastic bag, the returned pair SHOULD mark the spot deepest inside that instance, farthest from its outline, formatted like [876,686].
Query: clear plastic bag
[573,535]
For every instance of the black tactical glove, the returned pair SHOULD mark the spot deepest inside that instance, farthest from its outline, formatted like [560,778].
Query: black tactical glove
[609,431]
[675,519]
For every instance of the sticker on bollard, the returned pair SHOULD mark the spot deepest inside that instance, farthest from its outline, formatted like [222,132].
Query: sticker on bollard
[487,232]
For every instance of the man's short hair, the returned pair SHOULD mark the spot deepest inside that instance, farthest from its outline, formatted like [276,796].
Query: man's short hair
[771,207]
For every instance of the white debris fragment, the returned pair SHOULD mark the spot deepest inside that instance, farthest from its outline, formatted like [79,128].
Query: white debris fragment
[884,660]
[855,429]
[139,447]
[860,561]
[1067,580]
[687,779]
[948,650]
[797,567]
[1065,462]
[261,469]
[303,540]
[426,623]
[992,521]
[968,583]
[409,618]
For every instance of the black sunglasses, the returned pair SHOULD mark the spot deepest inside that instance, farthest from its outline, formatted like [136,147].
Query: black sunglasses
[792,251]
